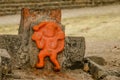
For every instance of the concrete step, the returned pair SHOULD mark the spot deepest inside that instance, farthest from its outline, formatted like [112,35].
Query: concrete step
[18,8]
[40,4]
[12,11]
[53,1]
[9,13]
[27,1]
[15,6]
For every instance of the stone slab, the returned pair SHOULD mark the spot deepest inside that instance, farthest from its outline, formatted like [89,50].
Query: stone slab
[5,62]
[11,44]
[74,52]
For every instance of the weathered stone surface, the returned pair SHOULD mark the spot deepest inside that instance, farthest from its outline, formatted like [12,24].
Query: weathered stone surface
[74,49]
[28,20]
[0,71]
[110,77]
[98,60]
[11,43]
[96,70]
[3,53]
[23,50]
[100,73]
[21,47]
[5,63]
[74,52]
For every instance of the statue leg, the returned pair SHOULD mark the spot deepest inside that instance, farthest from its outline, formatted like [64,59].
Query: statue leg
[41,57]
[53,58]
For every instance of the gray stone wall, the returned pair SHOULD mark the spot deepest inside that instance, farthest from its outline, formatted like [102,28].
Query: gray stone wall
[11,43]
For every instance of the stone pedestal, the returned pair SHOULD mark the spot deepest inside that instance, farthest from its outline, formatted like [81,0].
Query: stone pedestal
[23,50]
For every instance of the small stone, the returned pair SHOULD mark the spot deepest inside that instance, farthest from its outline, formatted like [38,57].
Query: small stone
[4,53]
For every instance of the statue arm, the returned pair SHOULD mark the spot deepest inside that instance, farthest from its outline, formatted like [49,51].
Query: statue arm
[61,45]
[37,27]
[60,38]
[40,43]
[60,35]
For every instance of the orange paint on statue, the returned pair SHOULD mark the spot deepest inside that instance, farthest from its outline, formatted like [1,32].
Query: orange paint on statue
[49,37]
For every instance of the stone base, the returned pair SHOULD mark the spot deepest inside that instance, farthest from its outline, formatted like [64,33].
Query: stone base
[74,52]
[11,43]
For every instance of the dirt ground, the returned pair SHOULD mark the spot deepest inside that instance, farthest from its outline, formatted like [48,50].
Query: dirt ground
[101,30]
[99,25]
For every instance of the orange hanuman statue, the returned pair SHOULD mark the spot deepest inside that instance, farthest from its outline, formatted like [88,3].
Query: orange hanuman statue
[49,37]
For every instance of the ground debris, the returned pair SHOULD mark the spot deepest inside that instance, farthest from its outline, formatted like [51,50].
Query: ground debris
[47,75]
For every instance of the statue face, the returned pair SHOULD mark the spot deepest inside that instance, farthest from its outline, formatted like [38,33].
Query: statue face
[50,30]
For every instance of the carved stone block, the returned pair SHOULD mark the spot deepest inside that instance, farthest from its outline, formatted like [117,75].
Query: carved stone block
[28,20]
[74,52]
[11,43]
[5,63]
